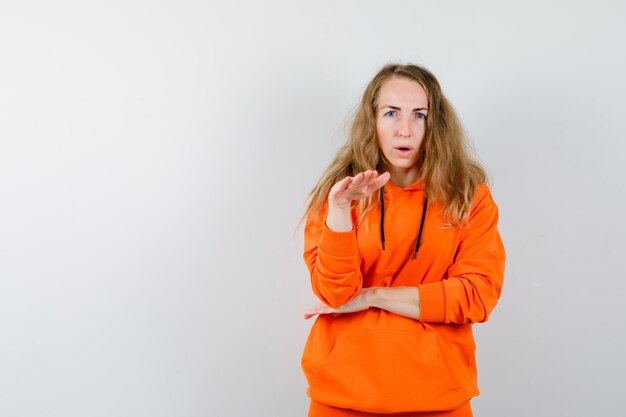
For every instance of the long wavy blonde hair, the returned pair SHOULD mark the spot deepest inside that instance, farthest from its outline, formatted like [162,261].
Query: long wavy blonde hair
[450,174]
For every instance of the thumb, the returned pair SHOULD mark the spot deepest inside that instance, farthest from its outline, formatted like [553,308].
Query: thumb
[343,184]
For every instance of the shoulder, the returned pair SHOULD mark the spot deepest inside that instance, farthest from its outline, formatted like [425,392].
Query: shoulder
[482,191]
[482,202]
[482,195]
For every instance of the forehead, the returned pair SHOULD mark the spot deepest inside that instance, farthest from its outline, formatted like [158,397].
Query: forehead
[402,92]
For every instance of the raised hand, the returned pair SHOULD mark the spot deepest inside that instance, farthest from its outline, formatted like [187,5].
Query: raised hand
[360,186]
[347,190]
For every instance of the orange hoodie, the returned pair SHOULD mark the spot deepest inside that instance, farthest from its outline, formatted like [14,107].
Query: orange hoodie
[380,362]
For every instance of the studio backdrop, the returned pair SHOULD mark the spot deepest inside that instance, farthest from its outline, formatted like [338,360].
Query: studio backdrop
[155,157]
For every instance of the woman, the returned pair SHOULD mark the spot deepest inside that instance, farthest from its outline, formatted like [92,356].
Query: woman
[402,244]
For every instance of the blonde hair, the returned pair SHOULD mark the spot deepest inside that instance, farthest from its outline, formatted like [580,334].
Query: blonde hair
[450,175]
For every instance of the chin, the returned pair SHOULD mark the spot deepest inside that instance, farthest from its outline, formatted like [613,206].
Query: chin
[403,164]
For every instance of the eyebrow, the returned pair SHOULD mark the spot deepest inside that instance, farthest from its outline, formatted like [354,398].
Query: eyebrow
[398,108]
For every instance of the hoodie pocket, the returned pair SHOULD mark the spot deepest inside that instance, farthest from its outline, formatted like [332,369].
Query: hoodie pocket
[387,371]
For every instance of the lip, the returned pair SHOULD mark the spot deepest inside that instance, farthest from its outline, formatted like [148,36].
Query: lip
[403,151]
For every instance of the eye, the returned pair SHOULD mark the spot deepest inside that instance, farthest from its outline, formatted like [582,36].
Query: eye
[420,116]
[390,113]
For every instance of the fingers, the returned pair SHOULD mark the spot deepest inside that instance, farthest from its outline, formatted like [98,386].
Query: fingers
[358,187]
[345,183]
[367,182]
[380,181]
[358,180]
[318,309]
[342,185]
[362,179]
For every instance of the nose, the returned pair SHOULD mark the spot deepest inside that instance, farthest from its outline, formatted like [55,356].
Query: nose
[404,129]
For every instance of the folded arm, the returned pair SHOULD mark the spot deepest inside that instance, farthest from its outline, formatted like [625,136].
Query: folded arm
[403,301]
[467,295]
[474,281]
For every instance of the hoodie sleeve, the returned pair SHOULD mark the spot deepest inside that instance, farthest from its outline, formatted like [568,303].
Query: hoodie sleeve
[333,261]
[474,281]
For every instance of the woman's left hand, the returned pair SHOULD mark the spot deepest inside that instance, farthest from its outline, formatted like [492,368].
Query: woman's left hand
[358,303]
[404,301]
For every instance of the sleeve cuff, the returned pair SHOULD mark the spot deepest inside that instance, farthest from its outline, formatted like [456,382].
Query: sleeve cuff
[432,302]
[338,244]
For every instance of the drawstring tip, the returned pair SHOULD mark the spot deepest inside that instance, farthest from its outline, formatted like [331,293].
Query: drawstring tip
[383,243]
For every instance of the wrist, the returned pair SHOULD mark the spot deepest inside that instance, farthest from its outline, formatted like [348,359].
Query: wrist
[344,208]
[339,218]
[374,297]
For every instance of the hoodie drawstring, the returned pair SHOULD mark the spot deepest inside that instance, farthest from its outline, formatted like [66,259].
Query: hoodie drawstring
[382,217]
[382,222]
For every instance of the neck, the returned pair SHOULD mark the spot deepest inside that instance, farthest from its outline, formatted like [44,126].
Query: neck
[402,177]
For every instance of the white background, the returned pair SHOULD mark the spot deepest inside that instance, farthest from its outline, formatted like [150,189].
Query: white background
[154,160]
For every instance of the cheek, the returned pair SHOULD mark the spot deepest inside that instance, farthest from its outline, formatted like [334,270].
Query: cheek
[420,131]
[383,133]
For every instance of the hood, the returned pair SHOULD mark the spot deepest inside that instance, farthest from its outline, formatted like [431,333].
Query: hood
[418,185]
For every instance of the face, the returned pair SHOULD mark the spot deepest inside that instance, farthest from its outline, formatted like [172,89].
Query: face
[401,114]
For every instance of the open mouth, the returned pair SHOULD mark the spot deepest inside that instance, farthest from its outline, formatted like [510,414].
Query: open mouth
[404,151]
